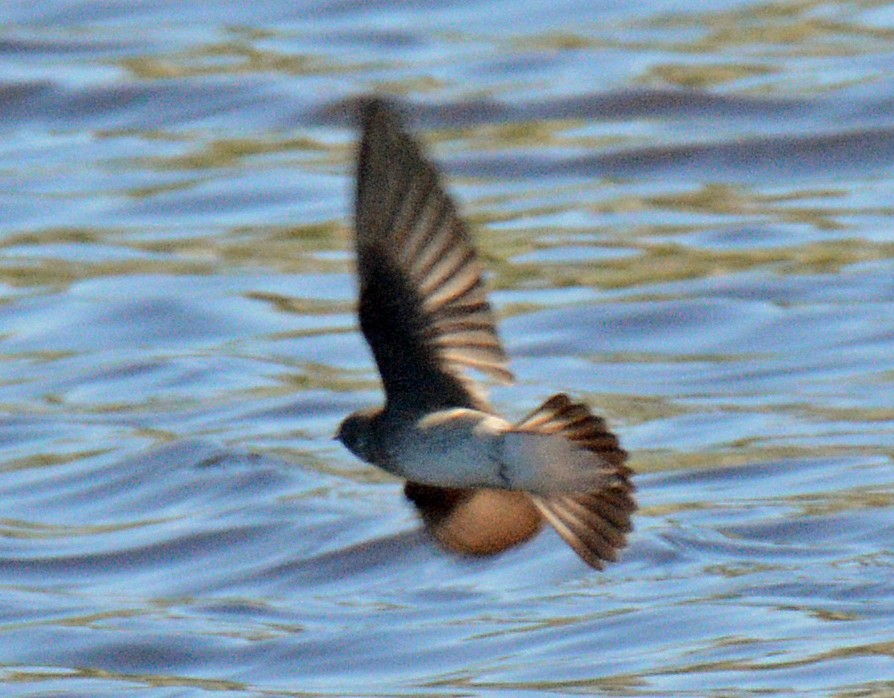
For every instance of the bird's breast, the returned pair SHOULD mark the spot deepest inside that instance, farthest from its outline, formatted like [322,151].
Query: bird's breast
[448,448]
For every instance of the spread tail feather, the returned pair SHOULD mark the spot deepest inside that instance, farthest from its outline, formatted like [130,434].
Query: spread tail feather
[596,523]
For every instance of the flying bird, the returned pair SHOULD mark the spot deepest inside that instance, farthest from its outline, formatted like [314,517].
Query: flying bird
[480,482]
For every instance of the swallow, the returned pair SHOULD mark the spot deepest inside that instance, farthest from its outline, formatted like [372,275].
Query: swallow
[480,483]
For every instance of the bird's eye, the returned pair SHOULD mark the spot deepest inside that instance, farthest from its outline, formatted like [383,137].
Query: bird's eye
[359,441]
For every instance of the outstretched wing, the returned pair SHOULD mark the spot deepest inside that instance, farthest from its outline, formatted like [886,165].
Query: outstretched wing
[595,523]
[594,520]
[423,307]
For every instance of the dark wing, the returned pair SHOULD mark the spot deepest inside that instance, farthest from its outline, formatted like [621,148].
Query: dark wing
[423,307]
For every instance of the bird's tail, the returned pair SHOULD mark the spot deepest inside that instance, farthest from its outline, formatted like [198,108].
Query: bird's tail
[595,523]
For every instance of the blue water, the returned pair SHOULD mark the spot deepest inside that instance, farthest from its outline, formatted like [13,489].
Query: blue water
[685,210]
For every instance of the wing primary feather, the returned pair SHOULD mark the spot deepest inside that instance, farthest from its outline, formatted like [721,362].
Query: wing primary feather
[451,296]
[419,275]
[593,523]
[419,230]
[570,537]
[610,532]
[412,205]
[436,245]
[452,264]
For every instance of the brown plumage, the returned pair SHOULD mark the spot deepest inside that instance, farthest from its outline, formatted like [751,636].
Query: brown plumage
[424,312]
[423,307]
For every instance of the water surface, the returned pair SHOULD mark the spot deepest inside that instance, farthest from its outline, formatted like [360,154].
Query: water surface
[686,213]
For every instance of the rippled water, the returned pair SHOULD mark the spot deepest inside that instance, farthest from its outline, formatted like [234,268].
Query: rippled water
[687,214]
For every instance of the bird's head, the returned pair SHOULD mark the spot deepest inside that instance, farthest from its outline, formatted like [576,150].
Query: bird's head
[356,433]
